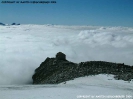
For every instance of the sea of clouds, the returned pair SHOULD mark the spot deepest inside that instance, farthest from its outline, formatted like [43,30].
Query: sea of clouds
[24,47]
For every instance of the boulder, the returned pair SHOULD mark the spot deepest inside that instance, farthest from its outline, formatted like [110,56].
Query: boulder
[60,56]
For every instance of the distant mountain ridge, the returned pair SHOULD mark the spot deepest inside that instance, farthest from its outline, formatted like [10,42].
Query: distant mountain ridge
[2,24]
[11,24]
[15,24]
[57,70]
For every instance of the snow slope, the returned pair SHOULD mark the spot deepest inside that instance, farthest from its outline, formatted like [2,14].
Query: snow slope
[24,47]
[91,87]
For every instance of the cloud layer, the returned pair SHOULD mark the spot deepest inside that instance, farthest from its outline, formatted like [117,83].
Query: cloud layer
[23,48]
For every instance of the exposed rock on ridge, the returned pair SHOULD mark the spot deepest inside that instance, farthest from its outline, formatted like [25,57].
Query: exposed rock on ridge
[57,70]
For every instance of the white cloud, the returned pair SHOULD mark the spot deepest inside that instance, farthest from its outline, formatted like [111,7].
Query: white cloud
[24,47]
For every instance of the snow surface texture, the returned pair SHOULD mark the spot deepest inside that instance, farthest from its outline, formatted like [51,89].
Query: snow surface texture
[24,47]
[91,87]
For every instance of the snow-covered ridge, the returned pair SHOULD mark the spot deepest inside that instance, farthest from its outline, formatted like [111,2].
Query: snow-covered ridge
[97,86]
[101,80]
[24,47]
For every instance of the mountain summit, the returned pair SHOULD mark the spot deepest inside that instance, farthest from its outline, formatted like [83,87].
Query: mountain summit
[57,70]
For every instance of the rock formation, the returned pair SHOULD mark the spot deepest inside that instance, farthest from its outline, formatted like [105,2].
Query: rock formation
[57,70]
[60,56]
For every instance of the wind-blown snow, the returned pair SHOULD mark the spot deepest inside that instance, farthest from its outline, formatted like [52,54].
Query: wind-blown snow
[24,47]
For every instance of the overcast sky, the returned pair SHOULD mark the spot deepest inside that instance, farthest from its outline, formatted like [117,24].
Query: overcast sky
[70,12]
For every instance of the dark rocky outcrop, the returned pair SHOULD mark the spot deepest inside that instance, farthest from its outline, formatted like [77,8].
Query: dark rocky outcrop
[57,70]
[60,56]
